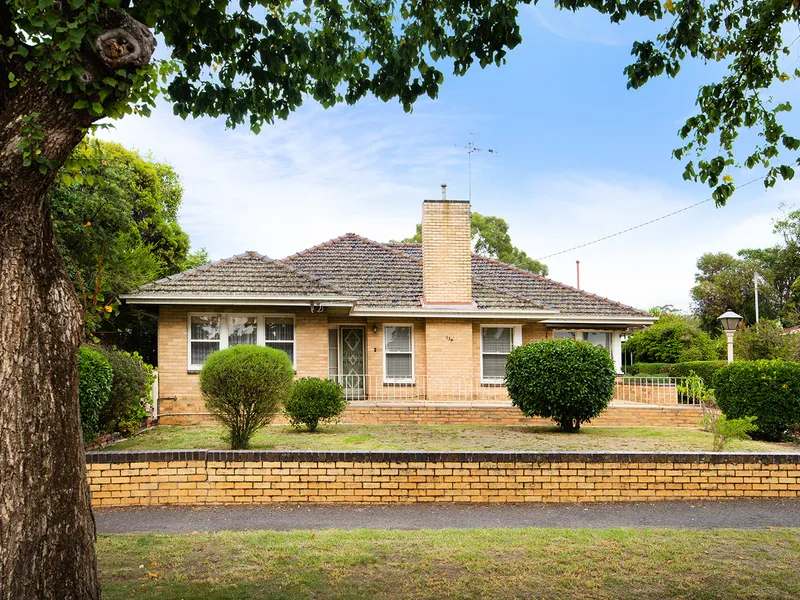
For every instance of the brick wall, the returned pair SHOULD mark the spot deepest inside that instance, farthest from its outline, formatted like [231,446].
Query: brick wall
[245,477]
[446,252]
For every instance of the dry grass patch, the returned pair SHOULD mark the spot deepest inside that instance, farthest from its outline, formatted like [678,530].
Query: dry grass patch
[450,438]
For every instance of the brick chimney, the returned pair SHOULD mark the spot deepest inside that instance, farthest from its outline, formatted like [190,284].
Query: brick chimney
[446,251]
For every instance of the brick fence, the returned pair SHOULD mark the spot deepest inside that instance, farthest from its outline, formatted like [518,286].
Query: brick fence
[374,413]
[246,477]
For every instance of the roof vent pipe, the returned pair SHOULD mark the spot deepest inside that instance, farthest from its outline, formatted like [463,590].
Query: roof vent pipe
[444,191]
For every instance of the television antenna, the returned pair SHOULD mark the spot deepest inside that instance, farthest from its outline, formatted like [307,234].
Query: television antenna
[472,149]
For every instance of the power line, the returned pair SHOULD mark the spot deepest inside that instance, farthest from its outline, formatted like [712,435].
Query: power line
[661,218]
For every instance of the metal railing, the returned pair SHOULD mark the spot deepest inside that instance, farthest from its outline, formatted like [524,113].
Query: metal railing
[660,391]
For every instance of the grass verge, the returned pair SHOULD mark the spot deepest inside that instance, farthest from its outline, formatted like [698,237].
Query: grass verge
[490,563]
[450,438]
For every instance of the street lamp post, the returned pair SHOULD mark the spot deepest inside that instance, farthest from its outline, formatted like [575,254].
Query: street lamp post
[729,321]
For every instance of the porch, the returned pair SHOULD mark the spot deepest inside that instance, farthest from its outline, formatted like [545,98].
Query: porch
[466,390]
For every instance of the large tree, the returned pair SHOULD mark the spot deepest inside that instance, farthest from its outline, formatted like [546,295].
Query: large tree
[490,238]
[65,64]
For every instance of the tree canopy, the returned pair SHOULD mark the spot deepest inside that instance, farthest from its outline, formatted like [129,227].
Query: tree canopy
[116,223]
[673,338]
[490,238]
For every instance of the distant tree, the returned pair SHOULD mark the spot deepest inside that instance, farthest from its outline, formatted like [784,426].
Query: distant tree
[671,339]
[116,224]
[490,238]
[725,282]
[768,341]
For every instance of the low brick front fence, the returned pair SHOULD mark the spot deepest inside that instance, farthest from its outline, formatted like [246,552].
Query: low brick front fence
[248,477]
[374,413]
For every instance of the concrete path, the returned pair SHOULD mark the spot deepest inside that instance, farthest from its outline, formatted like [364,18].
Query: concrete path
[737,514]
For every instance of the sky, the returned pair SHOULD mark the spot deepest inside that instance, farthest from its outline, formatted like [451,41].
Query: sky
[577,157]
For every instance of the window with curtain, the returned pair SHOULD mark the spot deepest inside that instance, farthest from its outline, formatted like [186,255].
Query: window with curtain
[398,348]
[598,338]
[279,334]
[496,345]
[242,330]
[204,338]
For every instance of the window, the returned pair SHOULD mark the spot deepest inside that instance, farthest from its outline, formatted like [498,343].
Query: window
[398,352]
[204,338]
[209,333]
[598,338]
[333,353]
[242,330]
[279,334]
[496,344]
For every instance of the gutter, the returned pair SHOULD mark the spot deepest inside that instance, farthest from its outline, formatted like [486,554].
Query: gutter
[235,300]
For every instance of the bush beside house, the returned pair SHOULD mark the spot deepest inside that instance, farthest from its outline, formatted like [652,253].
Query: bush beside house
[95,377]
[130,390]
[312,400]
[672,339]
[568,381]
[243,388]
[768,390]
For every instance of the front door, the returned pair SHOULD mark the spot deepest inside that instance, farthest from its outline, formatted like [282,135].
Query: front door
[352,361]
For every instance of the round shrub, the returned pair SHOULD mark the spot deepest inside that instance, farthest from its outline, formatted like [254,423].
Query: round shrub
[568,381]
[768,390]
[312,400]
[133,380]
[243,388]
[94,385]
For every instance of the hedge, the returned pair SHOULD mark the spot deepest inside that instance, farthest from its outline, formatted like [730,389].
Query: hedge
[703,368]
[312,400]
[768,390]
[130,390]
[95,376]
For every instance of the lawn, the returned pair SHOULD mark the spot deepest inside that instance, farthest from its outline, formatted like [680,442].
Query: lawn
[450,438]
[478,563]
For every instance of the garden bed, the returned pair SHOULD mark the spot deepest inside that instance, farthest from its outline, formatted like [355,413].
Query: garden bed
[450,438]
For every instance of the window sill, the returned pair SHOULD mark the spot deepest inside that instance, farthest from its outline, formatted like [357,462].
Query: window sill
[193,370]
[399,384]
[492,384]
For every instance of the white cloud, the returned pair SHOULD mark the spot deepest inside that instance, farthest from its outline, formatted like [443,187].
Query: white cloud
[323,174]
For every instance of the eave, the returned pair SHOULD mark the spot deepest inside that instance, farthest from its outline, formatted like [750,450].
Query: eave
[240,300]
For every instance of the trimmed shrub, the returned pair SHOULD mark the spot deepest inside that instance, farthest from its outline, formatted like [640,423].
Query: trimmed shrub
[94,385]
[647,369]
[705,369]
[568,381]
[243,388]
[312,400]
[768,390]
[133,380]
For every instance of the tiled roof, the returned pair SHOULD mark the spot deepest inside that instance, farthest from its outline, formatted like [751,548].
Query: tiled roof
[544,291]
[380,276]
[373,272]
[248,274]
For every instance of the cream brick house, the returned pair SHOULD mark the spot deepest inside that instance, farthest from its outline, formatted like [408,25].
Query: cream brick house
[399,322]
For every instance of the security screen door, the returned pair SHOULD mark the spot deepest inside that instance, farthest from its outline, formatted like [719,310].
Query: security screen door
[352,359]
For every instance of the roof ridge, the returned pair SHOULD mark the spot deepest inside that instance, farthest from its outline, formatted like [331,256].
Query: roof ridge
[557,283]
[351,235]
[204,267]
[383,246]
[239,257]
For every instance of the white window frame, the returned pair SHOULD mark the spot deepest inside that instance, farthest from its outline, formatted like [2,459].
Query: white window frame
[223,331]
[516,341]
[395,380]
[609,332]
[262,327]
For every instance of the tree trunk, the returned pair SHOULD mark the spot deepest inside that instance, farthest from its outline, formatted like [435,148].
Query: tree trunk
[46,524]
